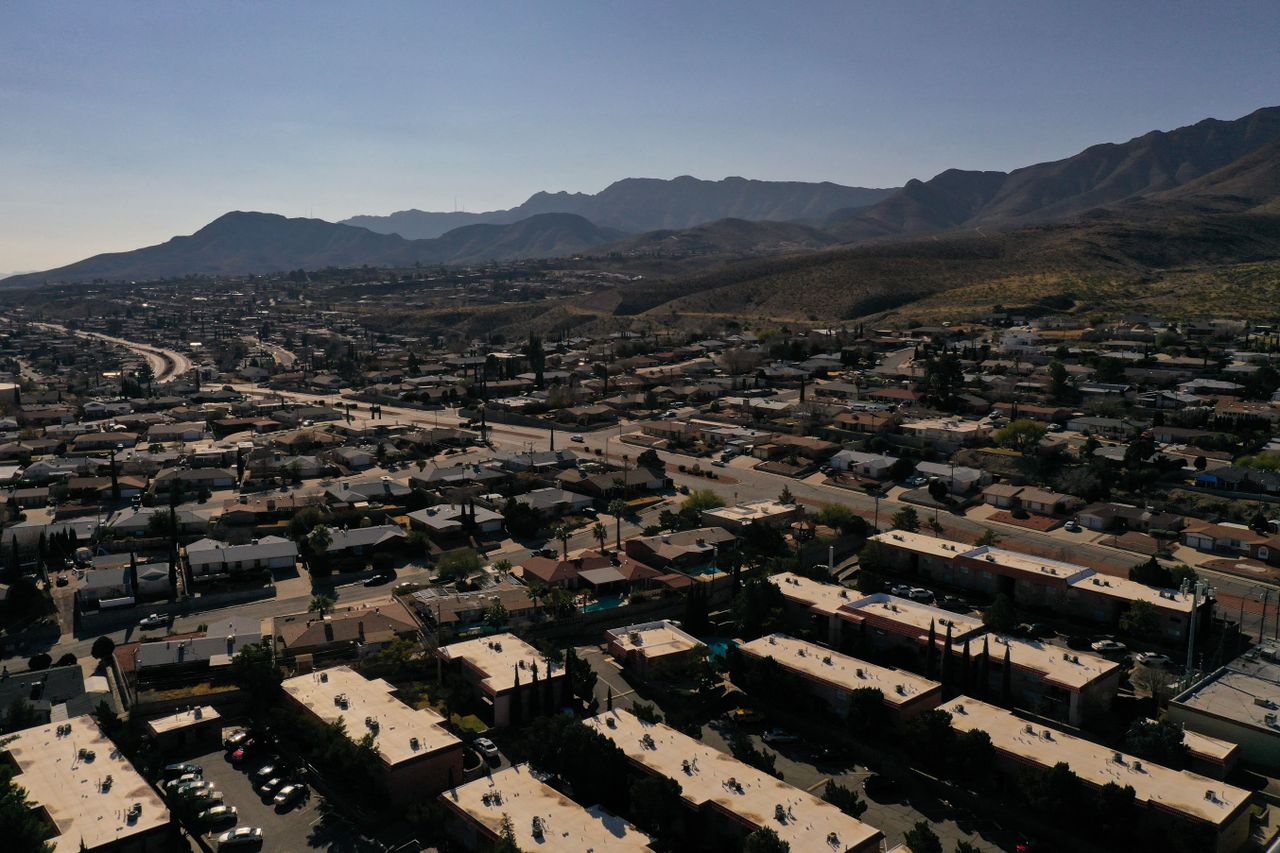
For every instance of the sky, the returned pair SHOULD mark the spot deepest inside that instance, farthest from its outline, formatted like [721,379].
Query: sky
[123,124]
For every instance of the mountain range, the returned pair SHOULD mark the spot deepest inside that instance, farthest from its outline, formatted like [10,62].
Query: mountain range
[1213,167]
[636,205]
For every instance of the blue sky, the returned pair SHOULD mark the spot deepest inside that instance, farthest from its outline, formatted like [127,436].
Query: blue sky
[122,124]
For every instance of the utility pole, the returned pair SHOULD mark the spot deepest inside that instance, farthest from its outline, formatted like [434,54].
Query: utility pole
[1199,589]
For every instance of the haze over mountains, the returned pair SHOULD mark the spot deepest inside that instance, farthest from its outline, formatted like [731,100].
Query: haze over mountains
[636,205]
[1210,168]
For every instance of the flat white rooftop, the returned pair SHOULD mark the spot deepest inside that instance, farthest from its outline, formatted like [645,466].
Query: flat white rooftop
[68,784]
[652,640]
[921,543]
[707,775]
[1179,790]
[498,658]
[514,793]
[184,719]
[343,694]
[824,598]
[1069,669]
[849,673]
[911,618]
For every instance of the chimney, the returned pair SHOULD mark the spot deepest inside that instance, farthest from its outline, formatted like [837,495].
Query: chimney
[360,630]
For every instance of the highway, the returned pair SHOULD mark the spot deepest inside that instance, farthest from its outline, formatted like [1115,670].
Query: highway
[279,354]
[165,364]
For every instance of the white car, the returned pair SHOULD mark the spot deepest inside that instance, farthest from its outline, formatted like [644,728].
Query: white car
[577,438]
[289,794]
[217,814]
[1071,526]
[241,837]
[487,748]
[920,594]
[900,590]
[1153,659]
[718,463]
[1108,647]
[155,620]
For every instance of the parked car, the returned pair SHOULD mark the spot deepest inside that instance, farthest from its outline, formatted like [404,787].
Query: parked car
[901,590]
[379,579]
[218,814]
[62,580]
[205,798]
[577,438]
[191,789]
[1054,427]
[243,751]
[954,603]
[745,716]
[487,748]
[1153,659]
[549,553]
[173,771]
[1108,647]
[1072,526]
[916,480]
[264,772]
[918,593]
[235,739]
[779,736]
[184,779]
[1079,643]
[269,787]
[289,794]
[590,511]
[717,463]
[155,620]
[242,837]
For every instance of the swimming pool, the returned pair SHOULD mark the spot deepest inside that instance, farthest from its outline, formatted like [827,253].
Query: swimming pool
[606,603]
[718,647]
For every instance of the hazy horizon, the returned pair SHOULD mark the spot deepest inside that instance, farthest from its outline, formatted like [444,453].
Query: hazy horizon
[127,125]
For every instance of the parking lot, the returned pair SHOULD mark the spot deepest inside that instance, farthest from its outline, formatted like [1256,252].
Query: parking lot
[310,824]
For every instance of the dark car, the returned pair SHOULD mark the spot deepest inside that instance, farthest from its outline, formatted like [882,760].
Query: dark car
[1079,642]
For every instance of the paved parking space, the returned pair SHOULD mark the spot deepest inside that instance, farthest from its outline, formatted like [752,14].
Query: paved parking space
[312,824]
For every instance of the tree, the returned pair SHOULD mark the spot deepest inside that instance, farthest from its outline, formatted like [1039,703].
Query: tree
[617,508]
[785,496]
[319,540]
[600,533]
[1000,615]
[906,519]
[1141,620]
[1160,742]
[866,712]
[24,829]
[1020,435]
[67,659]
[922,839]
[563,532]
[700,499]
[844,799]
[255,673]
[496,615]
[1060,387]
[650,459]
[103,648]
[758,607]
[459,564]
[506,837]
[655,800]
[39,660]
[988,538]
[938,489]
[765,840]
[321,604]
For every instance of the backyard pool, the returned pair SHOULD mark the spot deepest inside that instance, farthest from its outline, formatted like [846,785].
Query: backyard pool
[718,647]
[606,603]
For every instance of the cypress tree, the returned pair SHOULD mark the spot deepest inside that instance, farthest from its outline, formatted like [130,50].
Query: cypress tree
[928,650]
[1006,678]
[517,700]
[984,668]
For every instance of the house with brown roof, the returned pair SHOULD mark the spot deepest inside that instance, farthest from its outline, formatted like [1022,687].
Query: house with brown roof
[362,629]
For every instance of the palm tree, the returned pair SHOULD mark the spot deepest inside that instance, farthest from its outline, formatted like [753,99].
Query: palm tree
[617,508]
[321,604]
[600,533]
[319,540]
[562,532]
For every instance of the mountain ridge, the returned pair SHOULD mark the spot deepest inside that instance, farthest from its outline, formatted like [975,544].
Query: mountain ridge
[638,205]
